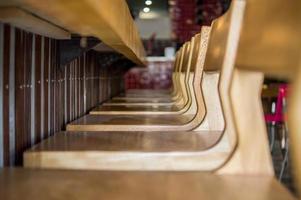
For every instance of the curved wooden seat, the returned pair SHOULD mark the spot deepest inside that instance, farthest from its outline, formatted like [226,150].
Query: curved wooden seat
[194,102]
[137,100]
[180,95]
[61,184]
[127,151]
[182,80]
[135,110]
[236,81]
[148,91]
[128,123]
[238,136]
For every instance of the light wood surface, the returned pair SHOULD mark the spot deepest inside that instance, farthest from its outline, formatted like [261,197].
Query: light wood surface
[295,128]
[24,20]
[108,20]
[55,184]
[276,55]
[192,118]
[238,133]
[136,110]
[127,151]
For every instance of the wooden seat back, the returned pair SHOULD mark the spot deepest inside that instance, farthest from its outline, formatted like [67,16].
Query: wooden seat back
[243,62]
[275,28]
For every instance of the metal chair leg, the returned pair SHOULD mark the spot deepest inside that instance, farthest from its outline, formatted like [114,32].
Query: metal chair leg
[284,162]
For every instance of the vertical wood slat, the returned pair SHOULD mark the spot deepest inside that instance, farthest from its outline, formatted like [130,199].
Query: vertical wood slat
[84,82]
[33,91]
[75,88]
[46,86]
[52,96]
[1,96]
[42,87]
[68,93]
[65,95]
[19,61]
[79,87]
[6,74]
[35,108]
[82,104]
[49,86]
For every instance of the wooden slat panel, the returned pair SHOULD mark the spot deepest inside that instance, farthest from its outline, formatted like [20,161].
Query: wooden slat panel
[52,89]
[46,85]
[32,107]
[6,85]
[20,95]
[27,107]
[68,93]
[33,91]
[43,83]
[12,97]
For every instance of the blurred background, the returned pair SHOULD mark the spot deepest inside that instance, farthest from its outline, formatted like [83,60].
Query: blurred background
[164,26]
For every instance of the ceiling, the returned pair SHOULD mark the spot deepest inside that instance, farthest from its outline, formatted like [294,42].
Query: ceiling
[159,7]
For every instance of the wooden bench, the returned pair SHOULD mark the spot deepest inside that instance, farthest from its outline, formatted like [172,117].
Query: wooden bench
[62,184]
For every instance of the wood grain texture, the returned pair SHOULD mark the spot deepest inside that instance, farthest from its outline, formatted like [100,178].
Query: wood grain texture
[49,184]
[111,22]
[20,94]
[21,63]
[26,21]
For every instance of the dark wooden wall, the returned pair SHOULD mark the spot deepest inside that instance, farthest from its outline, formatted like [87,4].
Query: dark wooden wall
[38,97]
